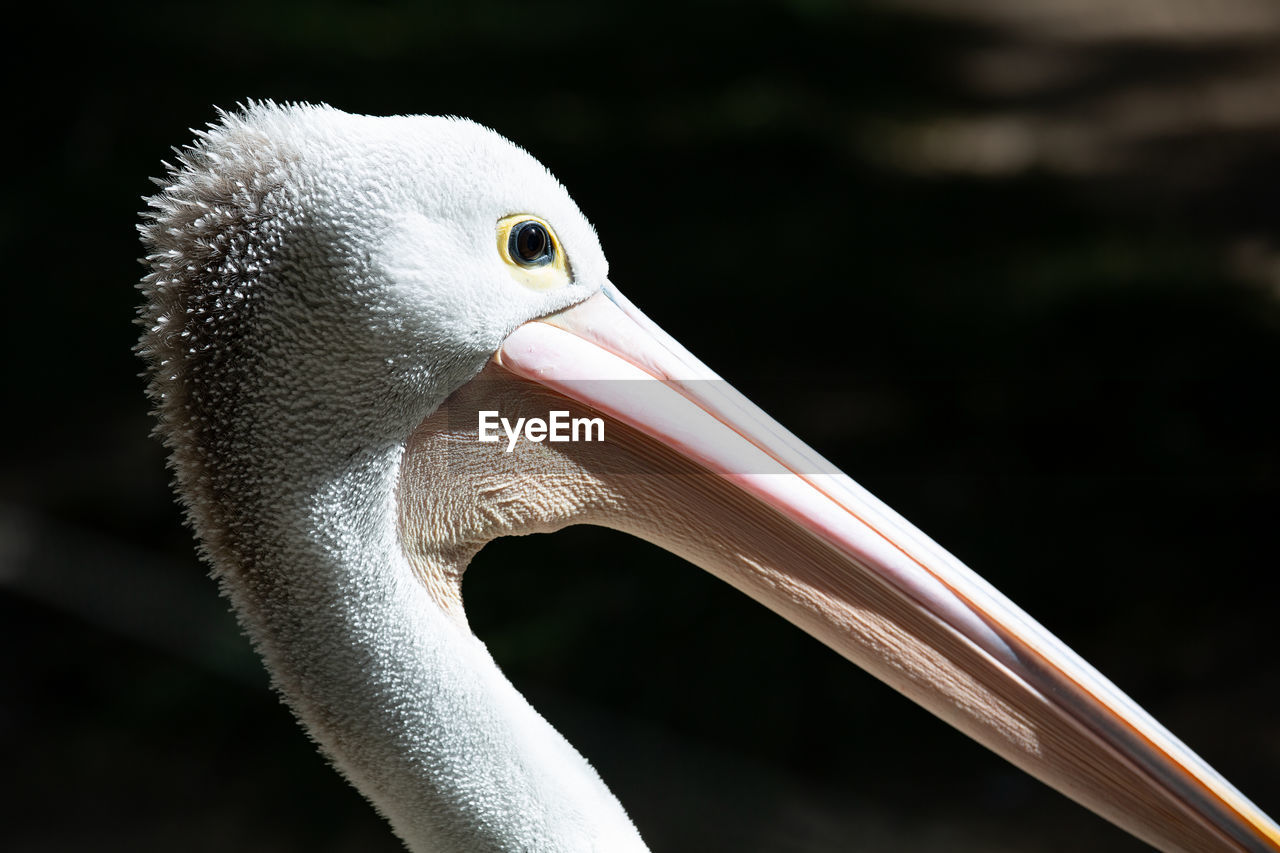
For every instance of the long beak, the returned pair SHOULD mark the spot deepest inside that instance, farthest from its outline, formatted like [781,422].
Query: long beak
[859,577]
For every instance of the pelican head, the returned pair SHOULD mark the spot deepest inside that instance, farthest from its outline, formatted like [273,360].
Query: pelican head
[335,303]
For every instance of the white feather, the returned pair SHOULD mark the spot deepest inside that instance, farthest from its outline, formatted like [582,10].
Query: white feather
[319,283]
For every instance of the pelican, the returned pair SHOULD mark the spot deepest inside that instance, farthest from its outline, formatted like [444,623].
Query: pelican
[335,303]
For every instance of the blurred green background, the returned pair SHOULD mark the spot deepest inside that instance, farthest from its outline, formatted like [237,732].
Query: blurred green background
[1014,266]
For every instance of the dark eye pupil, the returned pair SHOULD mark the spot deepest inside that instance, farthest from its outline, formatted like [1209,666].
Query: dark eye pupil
[530,243]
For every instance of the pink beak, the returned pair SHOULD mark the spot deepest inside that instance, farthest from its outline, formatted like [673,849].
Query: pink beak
[821,551]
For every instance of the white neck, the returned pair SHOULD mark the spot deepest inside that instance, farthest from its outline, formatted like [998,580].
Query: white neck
[407,703]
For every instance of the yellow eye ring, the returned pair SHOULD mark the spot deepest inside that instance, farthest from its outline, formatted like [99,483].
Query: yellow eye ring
[532,252]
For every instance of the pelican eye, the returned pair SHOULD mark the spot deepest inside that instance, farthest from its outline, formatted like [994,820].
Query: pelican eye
[530,244]
[532,252]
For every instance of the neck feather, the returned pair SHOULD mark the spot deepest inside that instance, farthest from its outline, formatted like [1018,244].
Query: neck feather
[405,701]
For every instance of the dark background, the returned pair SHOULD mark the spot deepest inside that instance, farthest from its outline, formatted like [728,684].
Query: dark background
[1014,266]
